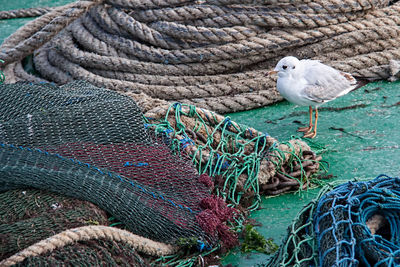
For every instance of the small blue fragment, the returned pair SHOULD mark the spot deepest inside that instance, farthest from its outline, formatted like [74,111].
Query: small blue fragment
[140,164]
[200,245]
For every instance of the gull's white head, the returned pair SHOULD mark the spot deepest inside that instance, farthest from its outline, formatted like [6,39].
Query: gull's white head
[287,66]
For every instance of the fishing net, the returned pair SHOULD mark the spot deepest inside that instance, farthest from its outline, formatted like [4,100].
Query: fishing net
[95,145]
[91,144]
[28,216]
[244,162]
[353,224]
[89,253]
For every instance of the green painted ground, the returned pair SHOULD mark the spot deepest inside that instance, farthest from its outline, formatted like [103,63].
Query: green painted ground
[7,27]
[359,131]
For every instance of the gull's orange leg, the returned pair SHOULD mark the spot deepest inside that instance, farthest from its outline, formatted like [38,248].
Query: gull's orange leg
[307,129]
[313,133]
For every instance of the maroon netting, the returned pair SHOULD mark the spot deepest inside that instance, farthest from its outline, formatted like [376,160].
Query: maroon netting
[151,165]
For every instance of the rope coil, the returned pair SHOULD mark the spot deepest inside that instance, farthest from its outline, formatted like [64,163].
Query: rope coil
[213,55]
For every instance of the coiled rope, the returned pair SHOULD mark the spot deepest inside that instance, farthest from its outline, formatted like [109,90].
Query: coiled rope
[212,54]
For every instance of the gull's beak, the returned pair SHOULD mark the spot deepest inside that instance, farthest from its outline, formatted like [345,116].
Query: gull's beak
[272,72]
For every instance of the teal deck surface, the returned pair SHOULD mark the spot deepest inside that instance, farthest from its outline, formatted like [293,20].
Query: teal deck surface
[359,133]
[367,144]
[7,27]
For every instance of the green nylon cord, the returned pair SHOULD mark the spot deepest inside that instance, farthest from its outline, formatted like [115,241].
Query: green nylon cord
[2,76]
[229,150]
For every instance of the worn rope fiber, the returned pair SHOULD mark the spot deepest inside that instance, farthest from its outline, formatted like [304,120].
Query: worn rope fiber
[24,13]
[71,236]
[212,54]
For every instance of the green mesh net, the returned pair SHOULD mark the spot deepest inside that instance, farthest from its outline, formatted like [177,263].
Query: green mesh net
[91,144]
[28,216]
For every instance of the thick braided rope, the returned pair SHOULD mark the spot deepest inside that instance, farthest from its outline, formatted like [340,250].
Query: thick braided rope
[207,130]
[27,46]
[206,11]
[91,232]
[214,54]
[30,28]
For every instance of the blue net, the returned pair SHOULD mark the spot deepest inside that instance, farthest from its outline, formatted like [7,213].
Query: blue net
[353,224]
[359,224]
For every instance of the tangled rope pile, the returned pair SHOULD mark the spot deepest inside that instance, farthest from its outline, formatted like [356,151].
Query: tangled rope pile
[244,162]
[211,54]
[353,224]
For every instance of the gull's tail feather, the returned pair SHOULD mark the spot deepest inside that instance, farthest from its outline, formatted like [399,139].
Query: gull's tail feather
[355,83]
[360,83]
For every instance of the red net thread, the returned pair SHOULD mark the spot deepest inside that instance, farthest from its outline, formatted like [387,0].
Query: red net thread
[214,217]
[171,175]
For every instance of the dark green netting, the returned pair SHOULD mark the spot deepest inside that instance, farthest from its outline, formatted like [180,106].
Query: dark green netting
[91,143]
[353,224]
[28,216]
[89,253]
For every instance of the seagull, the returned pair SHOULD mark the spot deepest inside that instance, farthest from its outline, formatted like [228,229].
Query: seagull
[310,83]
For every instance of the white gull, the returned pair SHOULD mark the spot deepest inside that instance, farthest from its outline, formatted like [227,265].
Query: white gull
[311,83]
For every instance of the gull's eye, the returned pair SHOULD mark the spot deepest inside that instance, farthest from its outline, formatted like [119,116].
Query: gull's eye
[284,67]
[294,67]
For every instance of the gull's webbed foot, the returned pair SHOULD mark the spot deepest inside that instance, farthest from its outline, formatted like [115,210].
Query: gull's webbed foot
[305,130]
[310,134]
